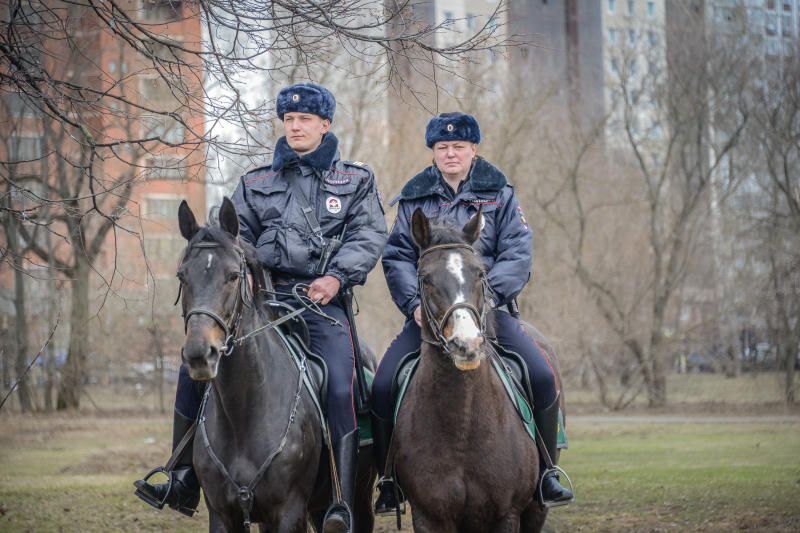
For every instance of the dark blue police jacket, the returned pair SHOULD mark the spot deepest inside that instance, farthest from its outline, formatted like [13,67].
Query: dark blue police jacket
[505,245]
[344,198]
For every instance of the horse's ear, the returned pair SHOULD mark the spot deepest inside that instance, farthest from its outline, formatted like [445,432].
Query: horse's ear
[227,217]
[186,221]
[472,229]
[421,229]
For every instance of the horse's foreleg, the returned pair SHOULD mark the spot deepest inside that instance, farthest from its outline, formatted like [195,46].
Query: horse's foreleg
[293,515]
[216,524]
[533,518]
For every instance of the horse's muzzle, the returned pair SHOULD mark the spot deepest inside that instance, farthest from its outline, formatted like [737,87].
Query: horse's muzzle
[467,354]
[201,360]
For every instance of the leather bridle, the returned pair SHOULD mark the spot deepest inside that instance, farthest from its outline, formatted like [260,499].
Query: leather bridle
[243,299]
[437,327]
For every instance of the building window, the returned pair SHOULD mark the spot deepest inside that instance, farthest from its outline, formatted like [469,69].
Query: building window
[18,105]
[612,6]
[525,52]
[161,10]
[158,95]
[24,148]
[471,22]
[612,35]
[786,25]
[631,7]
[165,167]
[112,67]
[651,9]
[773,47]
[771,24]
[614,65]
[631,37]
[787,6]
[163,206]
[161,50]
[164,251]
[771,4]
[448,16]
[652,38]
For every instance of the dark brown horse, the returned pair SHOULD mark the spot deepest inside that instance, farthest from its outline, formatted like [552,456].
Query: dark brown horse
[461,453]
[259,450]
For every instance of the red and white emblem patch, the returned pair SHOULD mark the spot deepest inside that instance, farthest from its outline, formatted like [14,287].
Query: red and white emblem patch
[333,204]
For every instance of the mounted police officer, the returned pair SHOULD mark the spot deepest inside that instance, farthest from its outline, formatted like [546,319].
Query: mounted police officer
[453,188]
[314,219]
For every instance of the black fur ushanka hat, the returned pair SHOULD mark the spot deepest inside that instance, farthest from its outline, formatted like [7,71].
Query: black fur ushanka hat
[452,127]
[306,98]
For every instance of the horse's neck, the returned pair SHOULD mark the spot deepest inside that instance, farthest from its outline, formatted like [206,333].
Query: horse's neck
[460,393]
[256,370]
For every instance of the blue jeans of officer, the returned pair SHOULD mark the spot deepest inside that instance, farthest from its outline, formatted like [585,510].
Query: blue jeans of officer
[331,342]
[511,335]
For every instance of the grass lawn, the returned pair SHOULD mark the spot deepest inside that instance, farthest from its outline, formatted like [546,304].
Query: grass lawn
[75,473]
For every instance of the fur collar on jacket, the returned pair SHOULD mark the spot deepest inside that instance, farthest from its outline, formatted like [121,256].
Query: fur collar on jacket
[321,159]
[483,176]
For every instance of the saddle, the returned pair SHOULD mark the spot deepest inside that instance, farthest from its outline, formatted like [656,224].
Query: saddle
[513,373]
[295,335]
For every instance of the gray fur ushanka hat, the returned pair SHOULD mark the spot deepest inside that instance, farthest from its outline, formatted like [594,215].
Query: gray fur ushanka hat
[306,98]
[452,127]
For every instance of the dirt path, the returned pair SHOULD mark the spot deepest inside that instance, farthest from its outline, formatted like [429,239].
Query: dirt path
[679,419]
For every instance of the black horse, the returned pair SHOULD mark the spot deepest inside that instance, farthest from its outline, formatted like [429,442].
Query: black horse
[259,451]
[461,453]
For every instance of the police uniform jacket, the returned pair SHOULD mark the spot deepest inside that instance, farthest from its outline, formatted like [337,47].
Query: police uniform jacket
[343,196]
[505,244]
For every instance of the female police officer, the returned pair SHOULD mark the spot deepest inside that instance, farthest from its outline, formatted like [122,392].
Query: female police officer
[453,188]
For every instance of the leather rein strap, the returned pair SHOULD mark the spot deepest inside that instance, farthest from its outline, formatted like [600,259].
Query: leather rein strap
[437,328]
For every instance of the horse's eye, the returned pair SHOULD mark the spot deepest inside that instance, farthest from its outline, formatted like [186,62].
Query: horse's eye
[232,276]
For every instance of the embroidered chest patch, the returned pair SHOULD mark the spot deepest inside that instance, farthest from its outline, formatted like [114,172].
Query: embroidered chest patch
[331,180]
[333,204]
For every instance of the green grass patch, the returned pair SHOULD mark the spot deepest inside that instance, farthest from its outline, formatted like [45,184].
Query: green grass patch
[76,474]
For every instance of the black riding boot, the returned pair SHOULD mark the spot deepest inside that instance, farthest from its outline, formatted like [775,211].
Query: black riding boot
[547,425]
[184,494]
[339,518]
[381,439]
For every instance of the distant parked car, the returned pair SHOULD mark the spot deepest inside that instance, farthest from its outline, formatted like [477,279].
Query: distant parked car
[697,362]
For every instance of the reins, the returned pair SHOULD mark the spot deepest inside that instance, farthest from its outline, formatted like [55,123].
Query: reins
[437,328]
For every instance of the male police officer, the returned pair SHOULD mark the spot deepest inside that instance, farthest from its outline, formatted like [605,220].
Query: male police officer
[314,219]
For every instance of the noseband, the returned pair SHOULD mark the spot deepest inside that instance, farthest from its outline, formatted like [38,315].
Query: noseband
[437,328]
[242,299]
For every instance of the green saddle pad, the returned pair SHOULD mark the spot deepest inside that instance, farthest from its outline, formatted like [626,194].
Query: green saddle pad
[516,396]
[363,420]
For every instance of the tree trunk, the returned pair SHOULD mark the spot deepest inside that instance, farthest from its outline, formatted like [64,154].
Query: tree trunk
[791,364]
[21,326]
[21,335]
[70,388]
[657,387]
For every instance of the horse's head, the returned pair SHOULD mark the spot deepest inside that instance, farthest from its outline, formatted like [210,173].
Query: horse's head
[452,287]
[215,287]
